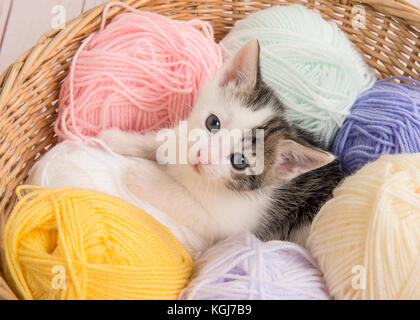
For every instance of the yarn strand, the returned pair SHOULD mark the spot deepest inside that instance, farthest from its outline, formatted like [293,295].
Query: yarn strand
[309,62]
[383,120]
[243,267]
[141,71]
[107,248]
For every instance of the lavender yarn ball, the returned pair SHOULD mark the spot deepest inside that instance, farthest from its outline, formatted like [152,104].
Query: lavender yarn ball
[245,268]
[383,120]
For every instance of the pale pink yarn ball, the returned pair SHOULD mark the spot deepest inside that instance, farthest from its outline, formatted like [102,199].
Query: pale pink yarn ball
[141,72]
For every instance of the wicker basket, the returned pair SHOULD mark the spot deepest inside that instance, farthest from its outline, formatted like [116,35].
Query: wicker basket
[29,88]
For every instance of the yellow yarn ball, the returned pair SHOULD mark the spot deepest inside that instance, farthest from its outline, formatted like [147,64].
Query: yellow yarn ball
[366,239]
[77,244]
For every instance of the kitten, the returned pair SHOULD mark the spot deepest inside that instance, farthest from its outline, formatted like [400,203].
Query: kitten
[216,198]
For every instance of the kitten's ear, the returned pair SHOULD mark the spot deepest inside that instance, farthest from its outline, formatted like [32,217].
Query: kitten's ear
[293,159]
[243,67]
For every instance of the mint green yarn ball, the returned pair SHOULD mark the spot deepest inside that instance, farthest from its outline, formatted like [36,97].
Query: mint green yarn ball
[309,62]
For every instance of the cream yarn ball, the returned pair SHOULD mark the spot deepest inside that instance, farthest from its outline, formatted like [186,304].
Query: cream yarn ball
[366,240]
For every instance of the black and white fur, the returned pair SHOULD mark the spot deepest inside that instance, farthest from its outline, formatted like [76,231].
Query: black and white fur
[216,200]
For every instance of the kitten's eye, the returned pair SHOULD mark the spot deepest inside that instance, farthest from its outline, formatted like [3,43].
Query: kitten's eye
[213,123]
[238,161]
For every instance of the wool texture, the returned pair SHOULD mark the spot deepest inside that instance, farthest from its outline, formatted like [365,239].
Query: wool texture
[309,62]
[245,268]
[65,244]
[77,164]
[366,240]
[383,120]
[140,72]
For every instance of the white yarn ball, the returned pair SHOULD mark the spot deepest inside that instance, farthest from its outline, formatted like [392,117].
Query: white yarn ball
[76,164]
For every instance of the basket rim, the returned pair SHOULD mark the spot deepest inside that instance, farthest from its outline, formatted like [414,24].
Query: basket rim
[16,70]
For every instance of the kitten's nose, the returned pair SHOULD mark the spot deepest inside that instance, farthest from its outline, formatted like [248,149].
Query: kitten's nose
[197,163]
[199,158]
[194,157]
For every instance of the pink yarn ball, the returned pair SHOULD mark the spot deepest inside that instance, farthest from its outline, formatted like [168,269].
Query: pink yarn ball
[141,72]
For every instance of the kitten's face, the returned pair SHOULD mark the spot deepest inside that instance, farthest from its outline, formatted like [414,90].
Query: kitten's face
[238,108]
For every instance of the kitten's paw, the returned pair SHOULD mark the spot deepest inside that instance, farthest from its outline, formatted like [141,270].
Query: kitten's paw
[131,180]
[140,178]
[118,141]
[111,137]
